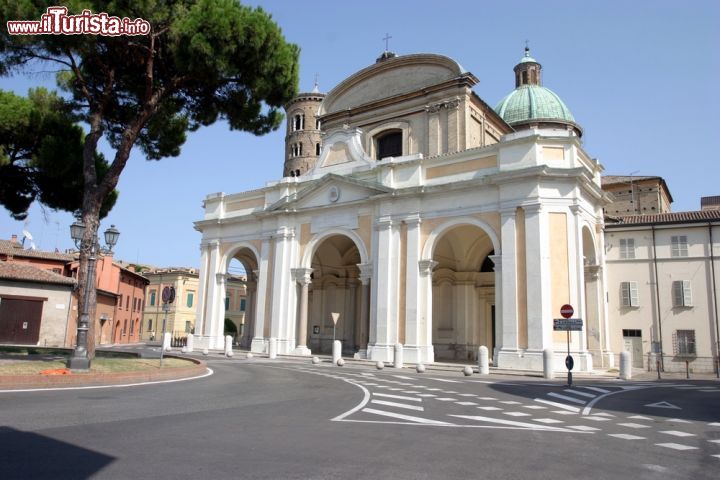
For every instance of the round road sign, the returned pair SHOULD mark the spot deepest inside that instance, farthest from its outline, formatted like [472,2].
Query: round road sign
[569,362]
[168,294]
[567,311]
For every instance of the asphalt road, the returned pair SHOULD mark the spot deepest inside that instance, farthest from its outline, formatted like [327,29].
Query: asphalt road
[267,419]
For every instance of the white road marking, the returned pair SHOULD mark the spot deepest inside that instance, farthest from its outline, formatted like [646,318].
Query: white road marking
[490,409]
[663,405]
[408,418]
[450,392]
[583,428]
[603,414]
[426,395]
[511,402]
[467,394]
[528,426]
[564,412]
[517,414]
[444,380]
[403,377]
[676,446]
[633,425]
[368,374]
[565,397]
[597,389]
[712,390]
[625,436]
[466,403]
[714,441]
[558,405]
[446,399]
[410,391]
[547,420]
[395,389]
[597,419]
[370,384]
[582,394]
[434,389]
[714,424]
[487,398]
[535,407]
[676,433]
[678,420]
[398,405]
[397,397]
[207,373]
[716,456]
[639,417]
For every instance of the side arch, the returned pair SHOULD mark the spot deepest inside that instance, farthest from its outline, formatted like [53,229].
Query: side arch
[438,232]
[317,240]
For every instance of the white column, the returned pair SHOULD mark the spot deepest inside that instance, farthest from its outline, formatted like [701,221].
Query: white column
[217,338]
[366,272]
[425,327]
[384,307]
[497,266]
[202,290]
[302,277]
[414,334]
[539,303]
[250,289]
[258,340]
[215,309]
[506,322]
[282,321]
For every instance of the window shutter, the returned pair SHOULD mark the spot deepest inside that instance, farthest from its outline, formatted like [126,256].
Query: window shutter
[634,294]
[678,293]
[687,293]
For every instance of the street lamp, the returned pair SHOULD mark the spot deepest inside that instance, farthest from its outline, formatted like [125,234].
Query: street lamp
[79,359]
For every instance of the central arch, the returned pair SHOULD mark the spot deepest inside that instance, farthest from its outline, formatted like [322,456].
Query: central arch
[463,290]
[334,287]
[240,267]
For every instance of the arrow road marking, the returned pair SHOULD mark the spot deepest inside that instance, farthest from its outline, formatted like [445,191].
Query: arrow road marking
[663,405]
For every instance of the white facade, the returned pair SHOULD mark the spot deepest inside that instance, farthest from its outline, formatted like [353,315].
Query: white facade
[474,235]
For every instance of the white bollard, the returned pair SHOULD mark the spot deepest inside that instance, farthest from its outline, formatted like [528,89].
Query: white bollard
[315,360]
[380,365]
[166,342]
[230,354]
[398,356]
[483,361]
[190,342]
[420,368]
[206,351]
[228,344]
[249,355]
[336,351]
[340,362]
[272,347]
[467,371]
[548,370]
[625,366]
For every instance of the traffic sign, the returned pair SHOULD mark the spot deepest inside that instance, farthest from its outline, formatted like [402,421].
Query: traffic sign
[168,294]
[567,324]
[569,362]
[567,311]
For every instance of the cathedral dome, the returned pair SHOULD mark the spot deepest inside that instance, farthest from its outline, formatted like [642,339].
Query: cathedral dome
[533,102]
[530,102]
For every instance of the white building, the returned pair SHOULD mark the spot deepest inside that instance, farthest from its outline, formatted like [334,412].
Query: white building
[428,219]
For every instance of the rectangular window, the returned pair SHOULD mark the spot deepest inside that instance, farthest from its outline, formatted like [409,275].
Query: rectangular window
[152,298]
[119,300]
[190,298]
[627,248]
[150,325]
[629,293]
[188,327]
[132,327]
[684,342]
[679,246]
[682,295]
[127,303]
[632,333]
[227,303]
[242,304]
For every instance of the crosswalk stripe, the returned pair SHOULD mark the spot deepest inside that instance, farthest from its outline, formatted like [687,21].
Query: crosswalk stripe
[398,405]
[582,394]
[403,377]
[597,389]
[445,380]
[408,418]
[558,405]
[529,426]
[625,436]
[676,446]
[398,397]
[565,397]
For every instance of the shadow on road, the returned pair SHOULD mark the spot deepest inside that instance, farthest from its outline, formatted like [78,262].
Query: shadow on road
[30,455]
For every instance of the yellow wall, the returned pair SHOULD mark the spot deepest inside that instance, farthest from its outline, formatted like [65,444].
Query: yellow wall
[559,265]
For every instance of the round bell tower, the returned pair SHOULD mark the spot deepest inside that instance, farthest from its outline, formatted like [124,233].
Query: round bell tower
[302,140]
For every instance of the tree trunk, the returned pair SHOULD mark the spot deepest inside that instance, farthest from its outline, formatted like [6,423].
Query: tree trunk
[90,217]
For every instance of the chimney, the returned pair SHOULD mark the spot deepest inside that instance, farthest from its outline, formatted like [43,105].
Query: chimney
[13,239]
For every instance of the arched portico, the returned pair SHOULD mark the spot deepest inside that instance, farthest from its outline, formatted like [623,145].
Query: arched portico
[333,279]
[462,312]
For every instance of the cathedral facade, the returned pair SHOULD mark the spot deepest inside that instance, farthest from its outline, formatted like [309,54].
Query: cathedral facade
[416,214]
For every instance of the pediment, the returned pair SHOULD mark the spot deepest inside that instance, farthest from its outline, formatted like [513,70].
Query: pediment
[330,190]
[342,152]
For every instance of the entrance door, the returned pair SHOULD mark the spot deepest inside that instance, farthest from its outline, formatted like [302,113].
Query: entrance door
[20,321]
[632,342]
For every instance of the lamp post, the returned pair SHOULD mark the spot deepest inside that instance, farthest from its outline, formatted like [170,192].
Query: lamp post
[79,359]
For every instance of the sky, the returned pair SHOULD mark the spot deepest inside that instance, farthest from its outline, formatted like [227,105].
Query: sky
[640,78]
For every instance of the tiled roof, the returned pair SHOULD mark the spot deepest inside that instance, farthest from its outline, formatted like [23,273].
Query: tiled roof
[613,179]
[28,273]
[15,249]
[666,218]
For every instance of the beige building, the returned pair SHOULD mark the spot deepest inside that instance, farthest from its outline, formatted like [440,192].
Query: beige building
[636,195]
[662,277]
[179,319]
[425,218]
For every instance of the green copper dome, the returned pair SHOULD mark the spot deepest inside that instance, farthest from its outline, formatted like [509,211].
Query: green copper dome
[533,102]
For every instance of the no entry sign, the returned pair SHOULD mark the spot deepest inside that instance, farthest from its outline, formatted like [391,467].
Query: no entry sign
[567,311]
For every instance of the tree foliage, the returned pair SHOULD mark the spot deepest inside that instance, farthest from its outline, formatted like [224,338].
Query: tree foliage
[203,60]
[41,154]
